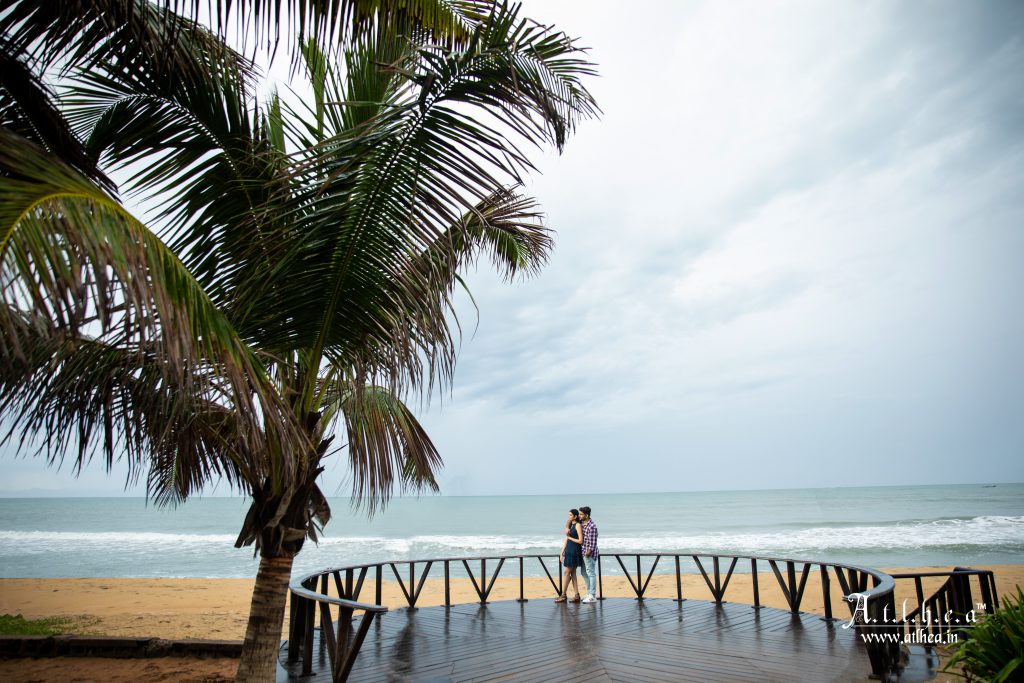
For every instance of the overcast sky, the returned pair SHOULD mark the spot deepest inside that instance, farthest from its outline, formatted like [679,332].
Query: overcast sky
[789,254]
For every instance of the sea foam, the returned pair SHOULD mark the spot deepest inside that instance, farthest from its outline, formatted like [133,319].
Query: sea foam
[979,531]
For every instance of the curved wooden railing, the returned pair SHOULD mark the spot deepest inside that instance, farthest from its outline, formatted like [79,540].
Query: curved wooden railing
[951,608]
[867,592]
[341,648]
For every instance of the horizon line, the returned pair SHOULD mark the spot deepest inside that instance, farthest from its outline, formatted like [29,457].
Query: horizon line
[56,494]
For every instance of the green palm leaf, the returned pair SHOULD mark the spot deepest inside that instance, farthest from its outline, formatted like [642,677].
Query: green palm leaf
[77,391]
[430,161]
[85,33]
[28,108]
[386,444]
[298,270]
[72,255]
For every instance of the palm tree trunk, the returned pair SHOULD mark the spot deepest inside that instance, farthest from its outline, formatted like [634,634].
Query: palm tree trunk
[266,618]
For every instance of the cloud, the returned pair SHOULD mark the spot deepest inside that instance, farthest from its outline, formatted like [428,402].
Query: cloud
[788,254]
[793,222]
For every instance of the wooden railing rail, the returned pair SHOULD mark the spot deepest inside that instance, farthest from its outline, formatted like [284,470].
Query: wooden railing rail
[952,607]
[867,592]
[343,647]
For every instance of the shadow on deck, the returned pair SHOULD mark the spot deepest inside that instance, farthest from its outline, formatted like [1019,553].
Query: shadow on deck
[617,639]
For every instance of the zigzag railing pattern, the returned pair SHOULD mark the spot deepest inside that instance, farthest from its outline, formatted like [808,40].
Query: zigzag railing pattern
[868,594]
[951,607]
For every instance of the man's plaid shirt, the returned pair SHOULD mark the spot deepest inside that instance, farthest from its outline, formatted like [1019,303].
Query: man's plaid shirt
[590,539]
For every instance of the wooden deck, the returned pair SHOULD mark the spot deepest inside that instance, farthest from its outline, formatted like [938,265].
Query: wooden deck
[618,639]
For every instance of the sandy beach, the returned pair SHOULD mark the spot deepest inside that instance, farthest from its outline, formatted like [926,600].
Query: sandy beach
[217,609]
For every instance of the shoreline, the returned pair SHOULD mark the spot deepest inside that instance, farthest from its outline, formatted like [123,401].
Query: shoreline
[217,609]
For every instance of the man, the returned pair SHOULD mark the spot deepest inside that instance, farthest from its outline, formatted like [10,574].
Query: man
[590,554]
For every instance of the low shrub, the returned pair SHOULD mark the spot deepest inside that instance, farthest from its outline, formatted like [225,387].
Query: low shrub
[995,649]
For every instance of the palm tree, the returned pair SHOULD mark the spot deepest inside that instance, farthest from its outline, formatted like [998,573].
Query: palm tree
[298,267]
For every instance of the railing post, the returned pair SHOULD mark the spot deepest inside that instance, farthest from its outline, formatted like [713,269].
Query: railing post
[296,622]
[718,579]
[826,593]
[341,652]
[522,597]
[412,585]
[600,580]
[963,600]
[919,590]
[791,576]
[995,592]
[561,579]
[892,627]
[884,656]
[753,578]
[447,585]
[326,624]
[639,592]
[944,606]
[307,640]
[342,672]
[986,593]
[679,582]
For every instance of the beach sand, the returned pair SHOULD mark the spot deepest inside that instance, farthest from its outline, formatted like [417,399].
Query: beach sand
[218,608]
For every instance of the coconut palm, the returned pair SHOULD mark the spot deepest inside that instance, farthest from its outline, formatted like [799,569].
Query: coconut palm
[297,266]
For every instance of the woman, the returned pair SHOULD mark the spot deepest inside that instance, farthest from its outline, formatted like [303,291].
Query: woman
[571,555]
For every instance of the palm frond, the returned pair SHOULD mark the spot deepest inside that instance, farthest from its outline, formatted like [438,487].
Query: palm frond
[387,446]
[342,22]
[89,31]
[333,240]
[82,34]
[505,226]
[74,395]
[379,196]
[144,82]
[208,147]
[72,255]
[29,108]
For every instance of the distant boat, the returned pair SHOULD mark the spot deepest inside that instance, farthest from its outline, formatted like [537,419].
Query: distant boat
[988,486]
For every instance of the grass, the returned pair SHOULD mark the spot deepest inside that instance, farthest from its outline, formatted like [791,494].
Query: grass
[17,625]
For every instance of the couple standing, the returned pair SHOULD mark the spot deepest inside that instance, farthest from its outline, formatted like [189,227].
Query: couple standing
[579,551]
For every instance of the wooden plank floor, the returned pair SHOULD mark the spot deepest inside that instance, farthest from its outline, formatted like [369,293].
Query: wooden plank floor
[618,639]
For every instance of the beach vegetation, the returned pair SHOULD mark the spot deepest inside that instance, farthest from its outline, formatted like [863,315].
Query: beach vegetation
[17,625]
[209,282]
[995,649]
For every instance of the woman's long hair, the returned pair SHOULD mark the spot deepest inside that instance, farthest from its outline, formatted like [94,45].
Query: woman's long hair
[575,518]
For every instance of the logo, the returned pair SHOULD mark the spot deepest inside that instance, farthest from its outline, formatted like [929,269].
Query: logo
[947,623]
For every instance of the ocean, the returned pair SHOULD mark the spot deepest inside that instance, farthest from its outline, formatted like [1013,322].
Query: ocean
[872,526]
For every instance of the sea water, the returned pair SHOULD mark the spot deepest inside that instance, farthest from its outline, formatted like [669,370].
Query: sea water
[874,527]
